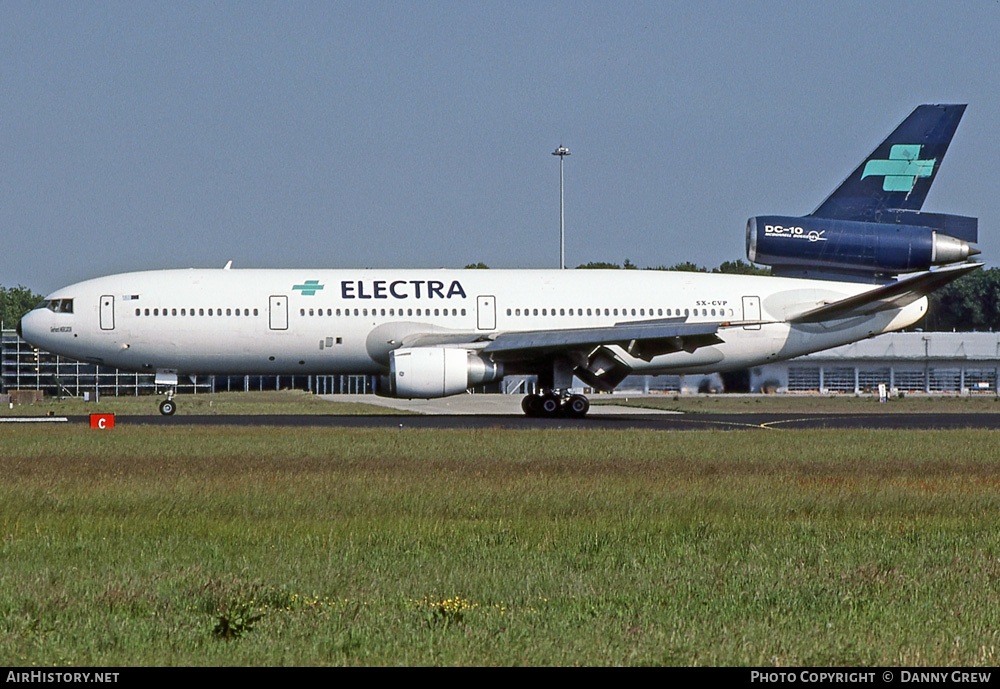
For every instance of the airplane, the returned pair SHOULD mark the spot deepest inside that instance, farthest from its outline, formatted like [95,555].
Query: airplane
[860,265]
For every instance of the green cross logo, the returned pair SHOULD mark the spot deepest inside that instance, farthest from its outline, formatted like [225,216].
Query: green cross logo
[902,169]
[310,288]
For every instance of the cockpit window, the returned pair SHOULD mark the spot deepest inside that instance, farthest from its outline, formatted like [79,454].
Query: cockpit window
[56,305]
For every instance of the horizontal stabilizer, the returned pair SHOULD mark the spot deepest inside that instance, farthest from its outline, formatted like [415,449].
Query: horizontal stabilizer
[892,296]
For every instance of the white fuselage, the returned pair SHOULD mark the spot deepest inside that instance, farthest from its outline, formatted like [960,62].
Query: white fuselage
[247,321]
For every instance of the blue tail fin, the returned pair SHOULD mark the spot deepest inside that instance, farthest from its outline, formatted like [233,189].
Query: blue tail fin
[899,173]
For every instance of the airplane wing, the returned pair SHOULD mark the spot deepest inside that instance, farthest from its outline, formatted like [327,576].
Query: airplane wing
[892,296]
[641,339]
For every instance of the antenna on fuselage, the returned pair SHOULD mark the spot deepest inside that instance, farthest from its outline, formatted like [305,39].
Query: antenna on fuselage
[229,264]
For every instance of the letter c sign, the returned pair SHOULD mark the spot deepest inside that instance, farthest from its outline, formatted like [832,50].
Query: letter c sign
[102,422]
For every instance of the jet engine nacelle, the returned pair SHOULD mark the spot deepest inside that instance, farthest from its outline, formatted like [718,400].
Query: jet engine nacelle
[427,372]
[850,246]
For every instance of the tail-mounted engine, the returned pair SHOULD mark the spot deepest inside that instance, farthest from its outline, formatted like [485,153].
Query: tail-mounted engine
[903,242]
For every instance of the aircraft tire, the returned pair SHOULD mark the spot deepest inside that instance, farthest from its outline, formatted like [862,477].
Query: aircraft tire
[551,405]
[168,407]
[577,406]
[531,405]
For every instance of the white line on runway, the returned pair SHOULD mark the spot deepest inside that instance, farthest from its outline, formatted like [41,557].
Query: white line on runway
[32,419]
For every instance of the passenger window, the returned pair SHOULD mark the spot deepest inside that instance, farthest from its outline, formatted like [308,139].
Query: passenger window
[137,312]
[201,312]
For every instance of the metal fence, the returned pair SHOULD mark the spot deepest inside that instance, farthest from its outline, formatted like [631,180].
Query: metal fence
[23,367]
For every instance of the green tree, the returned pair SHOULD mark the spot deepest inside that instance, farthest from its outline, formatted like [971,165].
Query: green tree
[688,267]
[740,267]
[970,303]
[14,303]
[477,266]
[599,265]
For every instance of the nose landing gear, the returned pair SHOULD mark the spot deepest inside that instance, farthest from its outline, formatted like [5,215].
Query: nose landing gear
[555,403]
[168,406]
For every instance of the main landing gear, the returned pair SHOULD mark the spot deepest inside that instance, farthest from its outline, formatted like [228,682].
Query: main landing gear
[552,404]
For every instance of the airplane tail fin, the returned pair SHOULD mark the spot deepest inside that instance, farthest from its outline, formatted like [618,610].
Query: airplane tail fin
[871,228]
[899,172]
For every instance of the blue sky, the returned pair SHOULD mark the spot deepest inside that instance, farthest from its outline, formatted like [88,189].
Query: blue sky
[148,135]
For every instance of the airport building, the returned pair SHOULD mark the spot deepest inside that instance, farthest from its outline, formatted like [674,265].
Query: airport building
[922,362]
[932,362]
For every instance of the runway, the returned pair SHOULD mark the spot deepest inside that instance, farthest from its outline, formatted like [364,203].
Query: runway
[594,422]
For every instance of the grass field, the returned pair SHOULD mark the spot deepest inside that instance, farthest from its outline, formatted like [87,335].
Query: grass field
[217,403]
[192,546]
[799,404]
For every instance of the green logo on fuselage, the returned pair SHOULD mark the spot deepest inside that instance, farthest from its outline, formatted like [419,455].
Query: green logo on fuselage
[902,169]
[310,288]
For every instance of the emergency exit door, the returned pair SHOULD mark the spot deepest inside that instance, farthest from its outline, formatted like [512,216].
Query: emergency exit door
[486,312]
[278,310]
[107,312]
[751,312]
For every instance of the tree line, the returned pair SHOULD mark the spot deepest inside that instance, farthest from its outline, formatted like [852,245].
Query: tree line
[971,303]
[14,303]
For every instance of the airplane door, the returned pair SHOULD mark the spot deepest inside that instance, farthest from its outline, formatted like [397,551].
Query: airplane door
[107,312]
[278,310]
[751,312]
[486,312]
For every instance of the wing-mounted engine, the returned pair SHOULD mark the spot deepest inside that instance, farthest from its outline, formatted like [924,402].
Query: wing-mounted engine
[428,372]
[859,249]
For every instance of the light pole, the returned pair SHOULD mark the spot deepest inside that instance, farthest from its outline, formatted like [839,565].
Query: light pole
[562,152]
